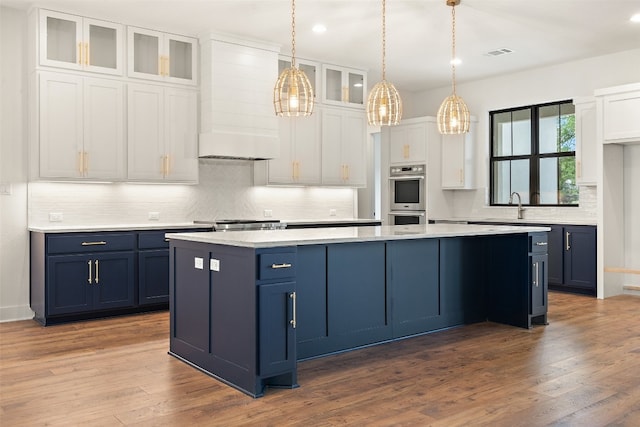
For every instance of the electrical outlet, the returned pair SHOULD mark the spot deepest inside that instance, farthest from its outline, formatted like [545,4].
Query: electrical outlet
[55,217]
[154,216]
[198,263]
[268,213]
[214,264]
[332,212]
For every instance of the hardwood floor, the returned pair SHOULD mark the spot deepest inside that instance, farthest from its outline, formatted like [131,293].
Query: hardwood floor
[583,369]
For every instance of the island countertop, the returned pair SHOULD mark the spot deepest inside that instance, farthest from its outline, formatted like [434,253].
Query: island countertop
[314,236]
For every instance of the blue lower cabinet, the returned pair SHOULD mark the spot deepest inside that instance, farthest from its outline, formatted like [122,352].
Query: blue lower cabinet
[153,277]
[358,300]
[413,276]
[580,258]
[277,322]
[83,283]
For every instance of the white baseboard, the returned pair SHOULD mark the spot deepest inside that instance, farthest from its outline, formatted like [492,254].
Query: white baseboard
[11,314]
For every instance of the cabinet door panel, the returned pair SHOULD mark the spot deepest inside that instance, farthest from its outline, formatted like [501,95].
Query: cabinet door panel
[308,149]
[332,164]
[145,132]
[104,141]
[103,46]
[183,54]
[556,254]
[60,40]
[61,124]
[354,148]
[113,277]
[144,51]
[68,287]
[312,332]
[181,134]
[580,257]
[153,277]
[413,271]
[358,299]
[539,276]
[277,352]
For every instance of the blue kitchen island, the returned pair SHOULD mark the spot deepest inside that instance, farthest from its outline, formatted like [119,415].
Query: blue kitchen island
[246,306]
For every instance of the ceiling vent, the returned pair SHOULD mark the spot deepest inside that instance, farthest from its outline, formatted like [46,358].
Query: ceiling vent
[498,52]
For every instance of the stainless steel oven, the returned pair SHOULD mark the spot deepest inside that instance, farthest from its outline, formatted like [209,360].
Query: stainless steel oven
[407,188]
[406,218]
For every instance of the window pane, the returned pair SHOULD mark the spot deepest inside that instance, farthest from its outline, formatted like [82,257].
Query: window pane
[558,181]
[521,132]
[548,128]
[510,176]
[502,134]
[567,127]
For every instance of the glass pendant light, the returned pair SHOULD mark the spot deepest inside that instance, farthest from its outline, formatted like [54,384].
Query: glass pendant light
[384,106]
[453,115]
[293,93]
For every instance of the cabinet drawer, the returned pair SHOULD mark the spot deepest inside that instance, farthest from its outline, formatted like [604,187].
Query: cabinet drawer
[153,240]
[95,242]
[277,265]
[538,243]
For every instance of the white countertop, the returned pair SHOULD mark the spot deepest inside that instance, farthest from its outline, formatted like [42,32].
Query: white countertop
[518,221]
[313,236]
[112,227]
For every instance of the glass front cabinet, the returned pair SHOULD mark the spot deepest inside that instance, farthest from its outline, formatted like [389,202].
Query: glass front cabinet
[311,69]
[343,86]
[77,43]
[161,56]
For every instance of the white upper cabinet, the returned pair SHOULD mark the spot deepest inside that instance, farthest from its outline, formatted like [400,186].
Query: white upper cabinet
[310,68]
[620,113]
[300,154]
[77,43]
[586,137]
[458,172]
[344,86]
[408,143]
[162,134]
[161,56]
[80,128]
[343,147]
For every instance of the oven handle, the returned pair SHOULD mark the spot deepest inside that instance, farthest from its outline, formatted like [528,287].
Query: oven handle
[405,178]
[406,213]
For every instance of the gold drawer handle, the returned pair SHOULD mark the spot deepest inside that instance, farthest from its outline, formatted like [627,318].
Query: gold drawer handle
[283,265]
[93,243]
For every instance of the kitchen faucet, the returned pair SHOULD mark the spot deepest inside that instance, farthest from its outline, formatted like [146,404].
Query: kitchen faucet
[520,208]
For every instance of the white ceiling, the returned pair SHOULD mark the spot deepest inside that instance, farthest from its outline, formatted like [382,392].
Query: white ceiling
[540,32]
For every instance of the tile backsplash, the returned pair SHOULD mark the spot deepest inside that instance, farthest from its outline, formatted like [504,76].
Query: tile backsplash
[225,190]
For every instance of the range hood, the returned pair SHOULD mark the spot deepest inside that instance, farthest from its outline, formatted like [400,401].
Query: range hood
[237,116]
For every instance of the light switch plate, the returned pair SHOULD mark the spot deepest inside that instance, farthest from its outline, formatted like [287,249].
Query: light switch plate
[198,263]
[214,264]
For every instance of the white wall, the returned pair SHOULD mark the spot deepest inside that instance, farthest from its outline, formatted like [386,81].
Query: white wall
[553,83]
[631,202]
[14,246]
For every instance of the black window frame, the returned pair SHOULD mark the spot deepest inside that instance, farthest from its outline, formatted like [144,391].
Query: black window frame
[534,157]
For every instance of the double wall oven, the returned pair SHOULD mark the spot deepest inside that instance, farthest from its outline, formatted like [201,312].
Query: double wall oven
[407,195]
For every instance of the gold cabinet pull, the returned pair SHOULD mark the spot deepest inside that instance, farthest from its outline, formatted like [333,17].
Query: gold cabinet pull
[97,273]
[167,168]
[85,163]
[163,166]
[293,321]
[86,54]
[346,168]
[89,279]
[283,265]
[94,243]
[79,53]
[405,151]
[566,240]
[167,66]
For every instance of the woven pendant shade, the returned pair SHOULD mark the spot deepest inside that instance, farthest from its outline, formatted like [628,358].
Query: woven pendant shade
[293,93]
[453,116]
[384,106]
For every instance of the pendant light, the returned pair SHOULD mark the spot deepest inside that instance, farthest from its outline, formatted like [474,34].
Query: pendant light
[453,115]
[293,94]
[384,106]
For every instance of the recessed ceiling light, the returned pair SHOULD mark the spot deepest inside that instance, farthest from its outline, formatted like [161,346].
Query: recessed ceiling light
[635,18]
[319,28]
[456,61]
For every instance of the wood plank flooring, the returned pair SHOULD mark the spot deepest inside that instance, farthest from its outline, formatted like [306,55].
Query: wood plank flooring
[583,369]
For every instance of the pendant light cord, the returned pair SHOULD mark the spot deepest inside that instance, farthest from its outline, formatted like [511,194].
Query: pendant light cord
[453,47]
[384,41]
[293,33]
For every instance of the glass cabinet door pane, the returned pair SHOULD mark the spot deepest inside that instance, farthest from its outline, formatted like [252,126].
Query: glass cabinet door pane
[146,53]
[356,88]
[103,44]
[181,58]
[310,71]
[61,40]
[333,86]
